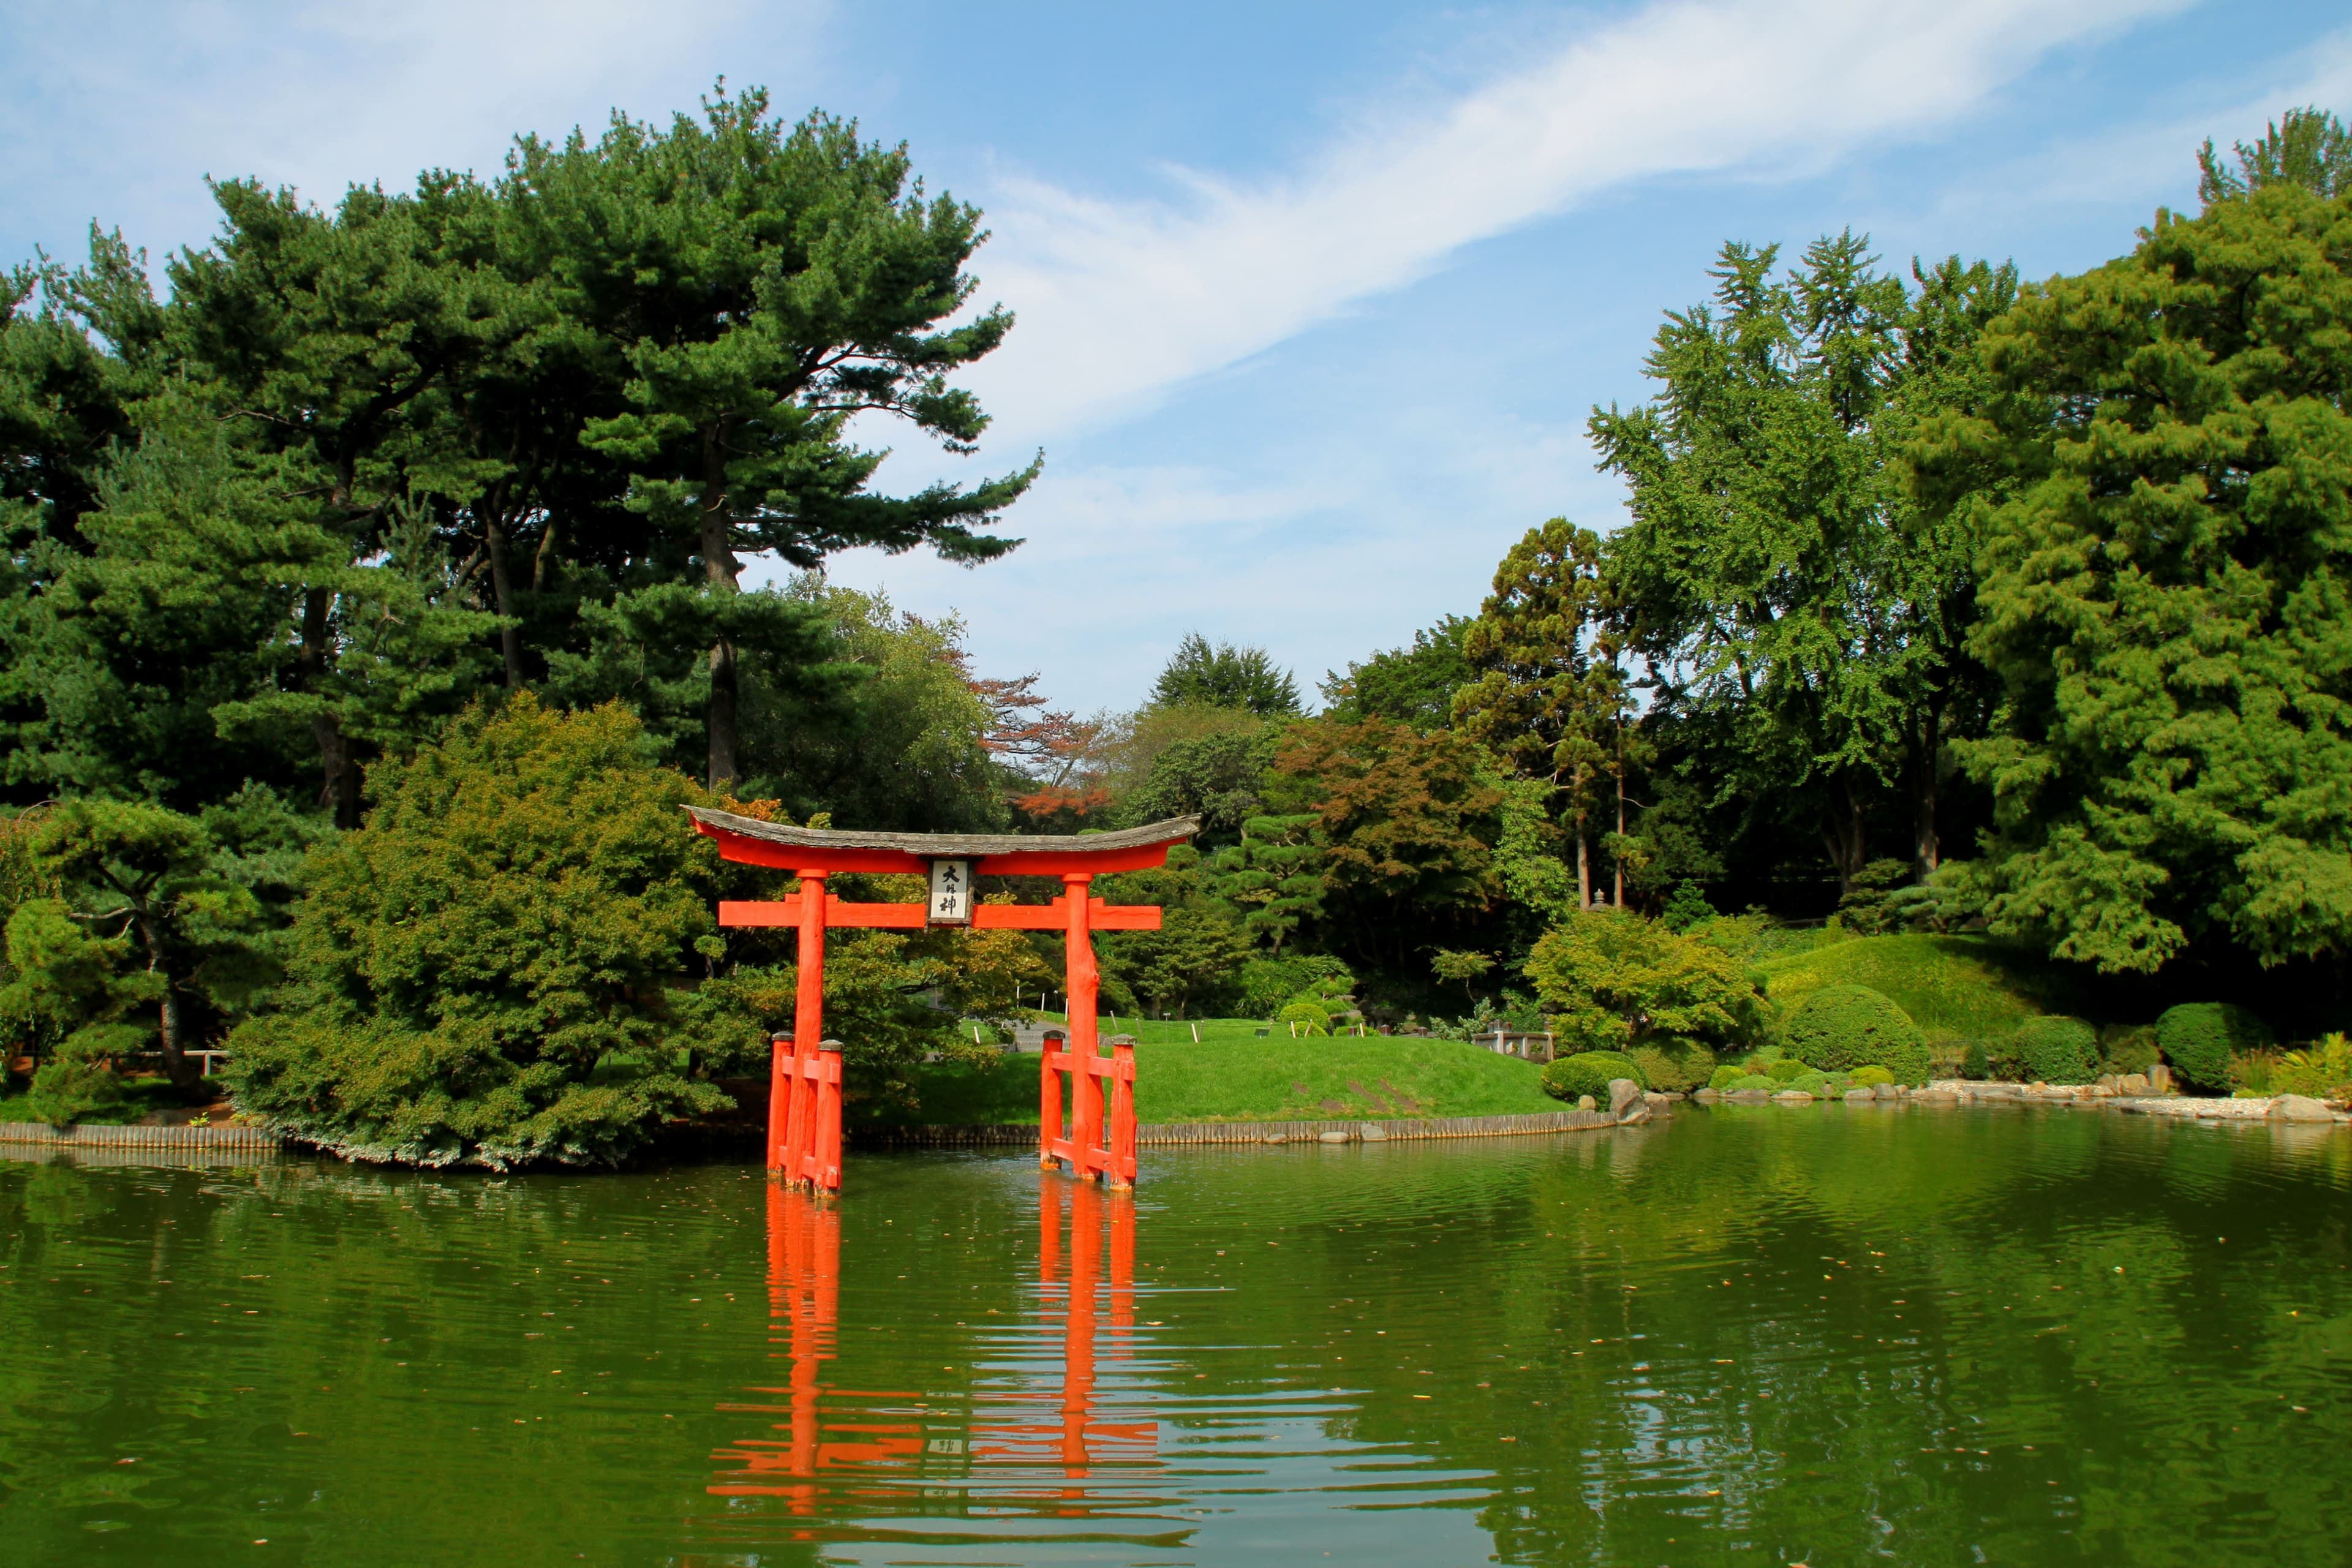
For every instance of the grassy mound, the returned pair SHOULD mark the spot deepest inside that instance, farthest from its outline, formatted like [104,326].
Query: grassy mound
[1232,1075]
[1954,988]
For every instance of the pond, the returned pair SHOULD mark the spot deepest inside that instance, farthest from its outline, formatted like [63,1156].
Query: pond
[1743,1335]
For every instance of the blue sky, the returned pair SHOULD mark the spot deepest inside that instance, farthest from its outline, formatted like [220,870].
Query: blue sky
[1314,299]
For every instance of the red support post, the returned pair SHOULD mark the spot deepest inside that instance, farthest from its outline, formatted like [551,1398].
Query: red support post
[1050,1062]
[784,1063]
[796,1141]
[825,1165]
[791,1142]
[1121,1171]
[1085,1109]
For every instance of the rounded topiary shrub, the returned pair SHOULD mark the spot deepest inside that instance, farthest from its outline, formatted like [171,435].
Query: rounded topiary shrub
[1756,1081]
[1786,1069]
[1588,1072]
[2198,1038]
[1872,1076]
[1303,1019]
[2057,1049]
[1674,1065]
[1839,1027]
[1727,1075]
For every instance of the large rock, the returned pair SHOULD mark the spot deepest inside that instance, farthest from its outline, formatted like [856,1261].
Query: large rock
[1623,1091]
[1706,1096]
[2300,1107]
[2159,1078]
[2133,1083]
[1793,1097]
[1862,1091]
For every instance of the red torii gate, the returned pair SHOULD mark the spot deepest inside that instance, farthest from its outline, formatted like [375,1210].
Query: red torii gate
[804,1094]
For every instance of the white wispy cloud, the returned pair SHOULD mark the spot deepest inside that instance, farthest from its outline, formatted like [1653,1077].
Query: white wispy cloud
[1120,299]
[137,101]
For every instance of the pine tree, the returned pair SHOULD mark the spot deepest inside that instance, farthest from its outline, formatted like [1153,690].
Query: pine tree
[763,286]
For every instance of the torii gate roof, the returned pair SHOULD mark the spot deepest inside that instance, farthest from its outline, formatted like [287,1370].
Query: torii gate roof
[756,843]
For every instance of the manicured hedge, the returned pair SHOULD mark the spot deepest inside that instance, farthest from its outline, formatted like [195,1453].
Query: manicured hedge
[1588,1072]
[1840,1027]
[2198,1038]
[2057,1049]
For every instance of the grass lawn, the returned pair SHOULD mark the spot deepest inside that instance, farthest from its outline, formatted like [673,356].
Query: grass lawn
[1232,1075]
[1956,987]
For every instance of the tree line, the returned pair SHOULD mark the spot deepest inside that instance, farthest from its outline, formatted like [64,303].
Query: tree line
[1946,601]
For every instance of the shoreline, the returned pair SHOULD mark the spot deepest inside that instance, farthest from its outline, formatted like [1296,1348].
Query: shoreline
[1954,1092]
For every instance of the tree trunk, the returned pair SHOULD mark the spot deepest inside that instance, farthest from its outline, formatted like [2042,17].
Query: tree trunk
[1843,835]
[719,567]
[494,539]
[1925,850]
[1617,860]
[170,1027]
[1584,866]
[339,774]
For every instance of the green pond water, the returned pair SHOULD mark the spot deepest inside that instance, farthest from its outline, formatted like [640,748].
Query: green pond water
[1745,1335]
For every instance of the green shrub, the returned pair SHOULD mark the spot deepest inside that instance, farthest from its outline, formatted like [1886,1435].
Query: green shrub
[1785,1069]
[2255,1073]
[67,1089]
[1976,1062]
[2200,1037]
[1844,1027]
[1613,981]
[2058,1049]
[1871,1076]
[1266,984]
[1309,1016]
[1726,1075]
[1756,1081]
[1816,1084]
[1673,1066]
[2127,1048]
[2323,1071]
[1687,907]
[1588,1072]
[521,906]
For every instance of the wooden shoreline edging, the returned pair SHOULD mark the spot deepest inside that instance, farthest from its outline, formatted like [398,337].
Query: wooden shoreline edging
[85,1136]
[1168,1134]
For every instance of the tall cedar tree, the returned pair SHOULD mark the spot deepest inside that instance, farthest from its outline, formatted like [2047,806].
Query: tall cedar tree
[1549,696]
[764,285]
[2165,595]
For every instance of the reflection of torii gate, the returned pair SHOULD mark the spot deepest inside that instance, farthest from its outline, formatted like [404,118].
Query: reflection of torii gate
[804,1096]
[857,1438]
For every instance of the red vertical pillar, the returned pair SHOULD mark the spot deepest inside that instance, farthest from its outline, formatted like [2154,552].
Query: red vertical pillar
[784,1059]
[1085,1111]
[1120,1171]
[1080,979]
[794,1146]
[1051,1059]
[798,1139]
[826,1167]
